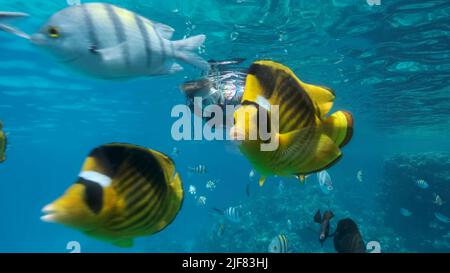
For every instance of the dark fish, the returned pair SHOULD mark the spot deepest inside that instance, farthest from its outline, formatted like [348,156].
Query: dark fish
[347,238]
[3,144]
[324,224]
[220,230]
[247,189]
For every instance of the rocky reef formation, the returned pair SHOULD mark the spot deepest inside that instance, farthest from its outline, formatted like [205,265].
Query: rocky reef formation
[422,230]
[288,208]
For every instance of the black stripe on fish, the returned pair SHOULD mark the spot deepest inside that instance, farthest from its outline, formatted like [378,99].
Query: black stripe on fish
[92,33]
[140,210]
[161,44]
[147,174]
[156,215]
[265,75]
[298,105]
[146,214]
[151,201]
[93,194]
[109,160]
[119,31]
[146,39]
[125,181]
[283,242]
[136,193]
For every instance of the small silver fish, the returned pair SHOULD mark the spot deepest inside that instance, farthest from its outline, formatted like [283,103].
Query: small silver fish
[201,201]
[359,176]
[422,184]
[405,212]
[441,217]
[325,183]
[438,200]
[192,190]
[211,184]
[200,169]
[108,42]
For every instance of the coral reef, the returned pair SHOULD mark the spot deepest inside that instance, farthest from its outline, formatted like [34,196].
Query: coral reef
[421,230]
[289,210]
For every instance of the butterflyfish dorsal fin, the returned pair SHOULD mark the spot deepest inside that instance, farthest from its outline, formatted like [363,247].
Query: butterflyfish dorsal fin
[321,96]
[272,84]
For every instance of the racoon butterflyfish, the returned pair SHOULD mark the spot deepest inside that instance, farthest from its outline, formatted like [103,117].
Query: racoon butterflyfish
[308,140]
[123,191]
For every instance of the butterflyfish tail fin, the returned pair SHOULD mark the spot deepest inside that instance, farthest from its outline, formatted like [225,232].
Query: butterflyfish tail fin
[339,127]
[326,154]
[321,96]
[322,152]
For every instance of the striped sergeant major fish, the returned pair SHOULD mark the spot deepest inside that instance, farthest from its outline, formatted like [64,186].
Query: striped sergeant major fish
[309,140]
[200,169]
[3,143]
[123,191]
[279,244]
[232,214]
[108,42]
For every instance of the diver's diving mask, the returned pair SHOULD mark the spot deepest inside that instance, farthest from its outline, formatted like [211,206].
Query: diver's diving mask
[203,89]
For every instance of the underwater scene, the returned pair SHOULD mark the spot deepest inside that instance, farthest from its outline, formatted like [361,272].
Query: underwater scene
[249,126]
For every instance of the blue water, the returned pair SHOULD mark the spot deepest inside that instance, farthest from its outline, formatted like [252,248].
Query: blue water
[388,64]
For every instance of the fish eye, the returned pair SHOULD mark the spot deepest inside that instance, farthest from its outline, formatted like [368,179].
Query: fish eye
[53,32]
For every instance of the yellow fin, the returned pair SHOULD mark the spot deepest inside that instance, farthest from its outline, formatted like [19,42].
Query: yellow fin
[265,79]
[301,179]
[339,127]
[300,104]
[322,98]
[262,180]
[294,142]
[325,154]
[315,150]
[124,243]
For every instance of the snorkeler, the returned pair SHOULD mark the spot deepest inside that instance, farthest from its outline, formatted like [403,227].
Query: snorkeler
[222,85]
